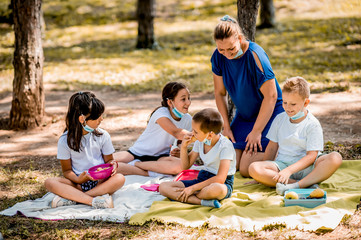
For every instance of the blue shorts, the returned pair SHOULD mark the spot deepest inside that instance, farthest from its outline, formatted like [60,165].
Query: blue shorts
[300,174]
[204,175]
[88,185]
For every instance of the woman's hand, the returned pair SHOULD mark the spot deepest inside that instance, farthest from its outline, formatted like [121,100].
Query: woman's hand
[283,176]
[253,140]
[185,193]
[228,133]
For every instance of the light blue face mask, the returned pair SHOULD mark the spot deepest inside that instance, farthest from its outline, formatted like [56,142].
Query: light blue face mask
[207,141]
[86,127]
[298,115]
[240,52]
[176,112]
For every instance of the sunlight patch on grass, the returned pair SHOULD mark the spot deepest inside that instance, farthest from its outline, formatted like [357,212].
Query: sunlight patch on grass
[71,36]
[317,9]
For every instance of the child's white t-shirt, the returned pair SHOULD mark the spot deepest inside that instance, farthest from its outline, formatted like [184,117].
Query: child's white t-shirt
[223,149]
[295,139]
[90,153]
[155,141]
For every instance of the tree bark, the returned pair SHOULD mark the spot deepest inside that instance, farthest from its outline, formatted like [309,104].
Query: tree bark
[267,14]
[27,109]
[247,16]
[145,16]
[247,11]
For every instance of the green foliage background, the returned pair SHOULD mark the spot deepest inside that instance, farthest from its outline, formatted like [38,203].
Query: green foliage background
[91,44]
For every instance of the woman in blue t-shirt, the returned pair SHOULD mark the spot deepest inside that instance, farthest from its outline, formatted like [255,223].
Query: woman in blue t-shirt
[242,69]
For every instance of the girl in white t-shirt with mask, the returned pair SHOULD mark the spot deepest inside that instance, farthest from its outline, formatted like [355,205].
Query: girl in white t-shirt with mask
[151,153]
[82,146]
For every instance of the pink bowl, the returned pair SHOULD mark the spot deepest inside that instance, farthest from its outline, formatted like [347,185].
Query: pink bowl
[98,172]
[188,174]
[151,187]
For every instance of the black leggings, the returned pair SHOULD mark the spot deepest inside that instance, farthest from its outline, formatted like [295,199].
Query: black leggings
[146,158]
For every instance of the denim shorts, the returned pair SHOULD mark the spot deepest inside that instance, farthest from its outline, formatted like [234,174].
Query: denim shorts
[204,175]
[300,174]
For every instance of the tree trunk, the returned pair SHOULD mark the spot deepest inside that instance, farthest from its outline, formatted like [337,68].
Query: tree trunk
[267,14]
[27,109]
[145,16]
[247,16]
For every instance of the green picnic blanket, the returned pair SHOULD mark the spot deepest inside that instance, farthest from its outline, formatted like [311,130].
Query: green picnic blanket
[253,206]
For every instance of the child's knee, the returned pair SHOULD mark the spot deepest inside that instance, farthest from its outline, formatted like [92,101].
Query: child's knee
[215,191]
[119,179]
[175,168]
[335,158]
[253,169]
[49,183]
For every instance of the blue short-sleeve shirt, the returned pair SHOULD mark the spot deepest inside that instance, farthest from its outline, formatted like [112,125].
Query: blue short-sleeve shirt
[243,79]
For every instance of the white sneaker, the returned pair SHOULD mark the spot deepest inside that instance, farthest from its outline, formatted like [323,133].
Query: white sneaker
[60,202]
[104,201]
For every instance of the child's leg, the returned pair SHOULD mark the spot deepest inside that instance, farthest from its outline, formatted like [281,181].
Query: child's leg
[263,172]
[66,189]
[171,189]
[109,186]
[213,191]
[123,156]
[164,165]
[246,160]
[325,166]
[127,169]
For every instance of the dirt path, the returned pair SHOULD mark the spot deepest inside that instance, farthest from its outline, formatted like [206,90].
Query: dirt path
[126,116]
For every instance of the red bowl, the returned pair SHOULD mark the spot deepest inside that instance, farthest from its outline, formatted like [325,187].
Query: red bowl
[101,171]
[188,174]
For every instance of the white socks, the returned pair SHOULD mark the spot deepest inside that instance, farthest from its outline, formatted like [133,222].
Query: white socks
[282,188]
[211,203]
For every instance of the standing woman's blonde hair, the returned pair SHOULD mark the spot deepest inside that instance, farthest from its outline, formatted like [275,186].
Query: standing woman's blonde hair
[226,28]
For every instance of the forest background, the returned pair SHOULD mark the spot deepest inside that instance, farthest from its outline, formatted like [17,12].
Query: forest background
[90,44]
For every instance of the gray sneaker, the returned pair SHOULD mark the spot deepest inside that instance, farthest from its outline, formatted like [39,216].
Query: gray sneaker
[104,201]
[60,202]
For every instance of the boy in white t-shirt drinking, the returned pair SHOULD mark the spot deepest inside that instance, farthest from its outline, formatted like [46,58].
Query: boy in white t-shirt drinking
[296,141]
[215,181]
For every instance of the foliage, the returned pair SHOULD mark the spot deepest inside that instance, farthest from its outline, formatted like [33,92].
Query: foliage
[91,44]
